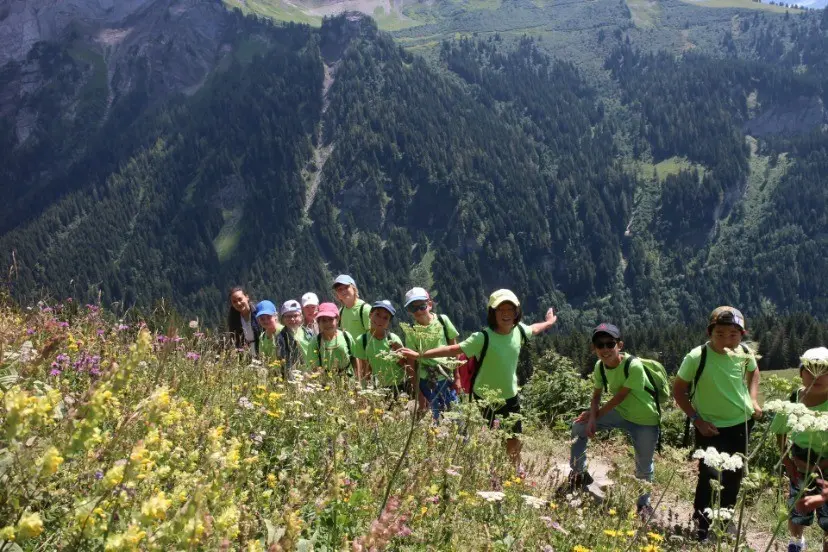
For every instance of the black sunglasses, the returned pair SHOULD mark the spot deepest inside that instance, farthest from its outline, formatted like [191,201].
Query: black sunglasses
[416,308]
[605,344]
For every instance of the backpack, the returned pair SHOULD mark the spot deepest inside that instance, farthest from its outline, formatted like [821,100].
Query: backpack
[361,316]
[656,375]
[692,393]
[445,327]
[347,345]
[467,372]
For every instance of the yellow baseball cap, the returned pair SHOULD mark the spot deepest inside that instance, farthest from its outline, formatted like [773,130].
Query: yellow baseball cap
[501,296]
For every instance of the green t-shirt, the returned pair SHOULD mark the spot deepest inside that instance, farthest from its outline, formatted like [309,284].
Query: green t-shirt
[431,337]
[268,352]
[638,407]
[335,355]
[356,320]
[499,370]
[386,372]
[817,441]
[722,396]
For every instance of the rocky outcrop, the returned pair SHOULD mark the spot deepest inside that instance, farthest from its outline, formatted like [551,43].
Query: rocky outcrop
[799,116]
[23,23]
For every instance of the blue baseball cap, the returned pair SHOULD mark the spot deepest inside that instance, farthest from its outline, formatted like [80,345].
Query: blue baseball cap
[265,307]
[345,280]
[385,304]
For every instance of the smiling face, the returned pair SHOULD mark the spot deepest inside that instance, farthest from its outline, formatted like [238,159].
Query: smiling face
[327,325]
[241,302]
[814,384]
[506,314]
[725,336]
[420,311]
[292,319]
[347,295]
[309,313]
[267,322]
[607,349]
[380,319]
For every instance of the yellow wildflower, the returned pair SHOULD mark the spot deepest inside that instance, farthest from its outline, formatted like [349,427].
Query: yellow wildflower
[650,548]
[50,462]
[612,533]
[126,541]
[113,477]
[612,511]
[655,536]
[156,507]
[271,480]
[228,522]
[579,548]
[30,525]
[7,533]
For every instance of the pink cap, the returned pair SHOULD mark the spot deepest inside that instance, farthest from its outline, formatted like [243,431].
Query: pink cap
[327,310]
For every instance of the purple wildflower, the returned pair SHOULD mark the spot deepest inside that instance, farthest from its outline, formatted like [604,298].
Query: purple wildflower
[99,475]
[162,339]
[199,334]
[64,324]
[55,372]
[192,355]
[100,332]
[30,331]
[122,327]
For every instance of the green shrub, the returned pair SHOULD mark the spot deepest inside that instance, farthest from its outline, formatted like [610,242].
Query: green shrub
[555,393]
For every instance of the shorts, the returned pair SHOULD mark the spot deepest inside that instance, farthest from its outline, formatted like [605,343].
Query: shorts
[497,416]
[440,397]
[806,519]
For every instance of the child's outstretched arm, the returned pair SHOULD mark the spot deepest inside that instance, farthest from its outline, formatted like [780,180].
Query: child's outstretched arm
[437,352]
[549,321]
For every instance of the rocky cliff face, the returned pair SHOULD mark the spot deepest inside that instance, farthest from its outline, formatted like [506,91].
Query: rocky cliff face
[23,23]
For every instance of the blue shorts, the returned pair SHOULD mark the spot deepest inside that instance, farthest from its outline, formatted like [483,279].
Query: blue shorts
[440,396]
[807,518]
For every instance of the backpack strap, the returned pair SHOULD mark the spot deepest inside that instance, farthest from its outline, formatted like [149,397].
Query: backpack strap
[319,347]
[445,327]
[481,357]
[348,345]
[365,341]
[627,367]
[699,370]
[794,398]
[603,376]
[522,335]
[341,310]
[362,316]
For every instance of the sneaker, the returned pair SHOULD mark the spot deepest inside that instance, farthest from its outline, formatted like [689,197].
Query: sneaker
[645,512]
[579,480]
[796,546]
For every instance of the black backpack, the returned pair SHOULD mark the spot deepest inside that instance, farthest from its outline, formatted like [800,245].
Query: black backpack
[347,344]
[361,316]
[479,360]
[702,362]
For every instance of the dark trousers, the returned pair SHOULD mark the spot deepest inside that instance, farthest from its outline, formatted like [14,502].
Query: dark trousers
[731,440]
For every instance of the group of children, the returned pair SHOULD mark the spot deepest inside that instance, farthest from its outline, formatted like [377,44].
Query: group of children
[716,386]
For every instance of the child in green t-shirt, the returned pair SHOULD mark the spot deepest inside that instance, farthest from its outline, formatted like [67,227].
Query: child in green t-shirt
[498,371]
[717,386]
[354,314]
[293,339]
[438,384]
[631,409]
[375,347]
[267,319]
[808,452]
[332,348]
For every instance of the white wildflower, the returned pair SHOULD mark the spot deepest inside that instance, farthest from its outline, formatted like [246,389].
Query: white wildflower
[194,324]
[491,496]
[719,514]
[534,502]
[245,403]
[719,460]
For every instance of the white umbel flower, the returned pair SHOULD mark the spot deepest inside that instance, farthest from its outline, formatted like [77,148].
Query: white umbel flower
[491,496]
[719,460]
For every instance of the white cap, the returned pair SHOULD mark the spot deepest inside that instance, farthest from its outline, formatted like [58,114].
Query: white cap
[416,294]
[289,306]
[310,298]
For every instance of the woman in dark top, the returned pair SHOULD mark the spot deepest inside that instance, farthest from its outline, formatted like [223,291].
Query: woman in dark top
[241,321]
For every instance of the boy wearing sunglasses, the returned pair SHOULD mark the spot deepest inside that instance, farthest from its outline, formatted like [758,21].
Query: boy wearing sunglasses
[631,409]
[438,384]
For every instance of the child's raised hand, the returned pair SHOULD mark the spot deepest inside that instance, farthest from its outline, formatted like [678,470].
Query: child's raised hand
[550,316]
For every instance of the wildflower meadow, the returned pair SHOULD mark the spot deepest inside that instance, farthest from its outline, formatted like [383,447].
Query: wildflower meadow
[117,436]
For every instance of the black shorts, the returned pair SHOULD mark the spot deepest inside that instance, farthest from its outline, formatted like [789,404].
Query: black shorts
[497,417]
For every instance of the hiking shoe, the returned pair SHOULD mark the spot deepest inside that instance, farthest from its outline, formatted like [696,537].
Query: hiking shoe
[579,480]
[796,547]
[645,512]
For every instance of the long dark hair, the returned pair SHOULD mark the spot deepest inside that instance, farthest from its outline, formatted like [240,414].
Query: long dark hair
[491,317]
[234,324]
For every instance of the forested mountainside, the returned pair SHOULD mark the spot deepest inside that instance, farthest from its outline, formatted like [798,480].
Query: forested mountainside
[669,185]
